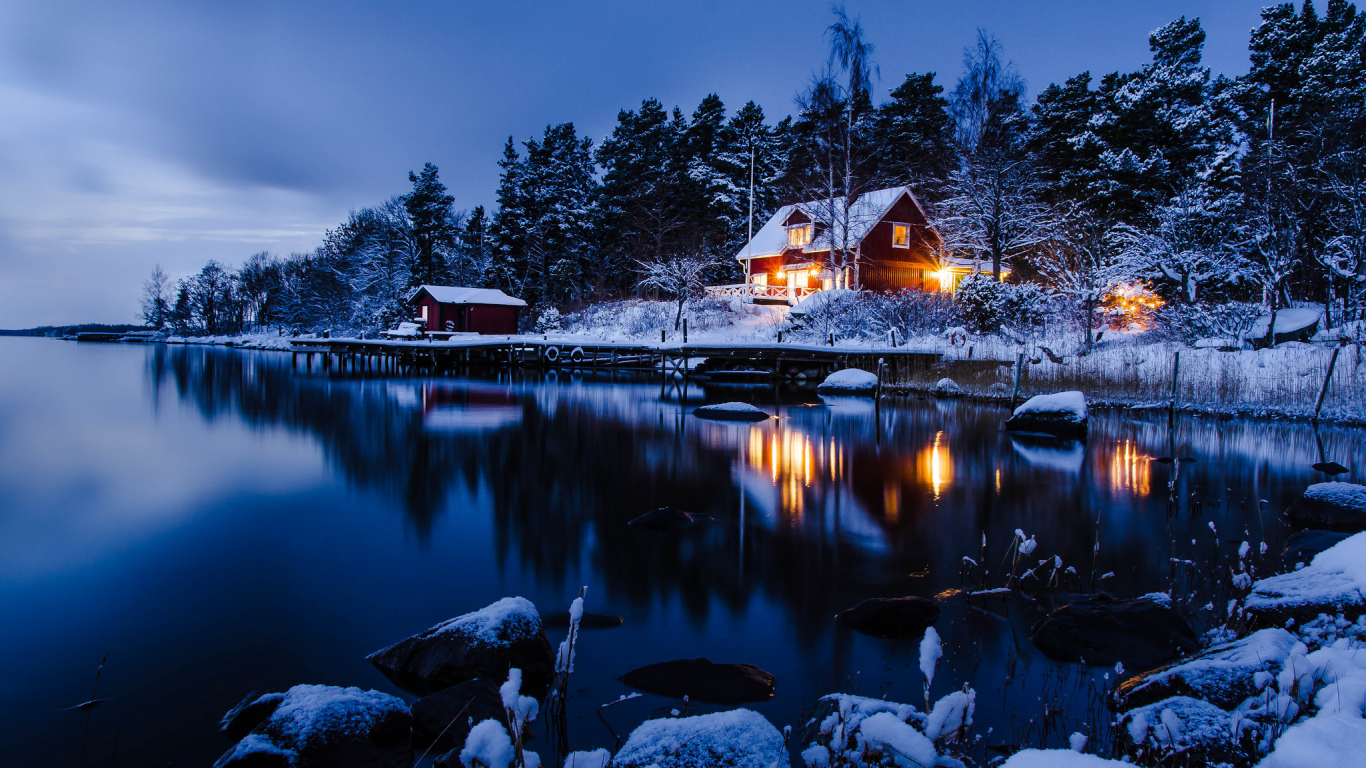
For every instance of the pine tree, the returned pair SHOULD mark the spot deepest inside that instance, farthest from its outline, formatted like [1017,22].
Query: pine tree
[430,216]
[914,137]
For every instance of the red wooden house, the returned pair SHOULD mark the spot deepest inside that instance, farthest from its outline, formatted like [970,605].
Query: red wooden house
[885,236]
[464,310]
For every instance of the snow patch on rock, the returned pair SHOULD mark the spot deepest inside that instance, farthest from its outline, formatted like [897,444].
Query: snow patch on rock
[849,380]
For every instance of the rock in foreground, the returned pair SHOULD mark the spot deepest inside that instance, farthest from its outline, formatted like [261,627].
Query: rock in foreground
[1223,675]
[1334,506]
[485,643]
[701,680]
[442,720]
[1061,415]
[739,738]
[322,726]
[890,617]
[850,381]
[730,412]
[1140,633]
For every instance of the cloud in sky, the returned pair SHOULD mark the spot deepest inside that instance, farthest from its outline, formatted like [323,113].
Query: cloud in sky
[146,132]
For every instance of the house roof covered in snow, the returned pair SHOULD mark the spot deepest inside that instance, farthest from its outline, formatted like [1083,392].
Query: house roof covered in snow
[454,294]
[866,211]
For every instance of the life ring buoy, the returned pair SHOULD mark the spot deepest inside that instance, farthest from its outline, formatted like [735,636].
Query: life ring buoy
[576,355]
[552,354]
[450,325]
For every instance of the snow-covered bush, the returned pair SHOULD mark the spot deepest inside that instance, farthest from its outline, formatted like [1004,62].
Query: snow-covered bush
[847,314]
[985,305]
[980,301]
[549,321]
[912,313]
[1187,323]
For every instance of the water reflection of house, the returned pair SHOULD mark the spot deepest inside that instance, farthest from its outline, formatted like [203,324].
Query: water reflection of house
[796,477]
[468,409]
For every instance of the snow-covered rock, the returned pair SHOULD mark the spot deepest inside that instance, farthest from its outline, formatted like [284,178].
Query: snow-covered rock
[1292,324]
[1197,729]
[485,643]
[1334,582]
[947,386]
[701,680]
[1302,546]
[740,738]
[321,726]
[731,412]
[1334,506]
[1223,675]
[849,381]
[1062,414]
[1057,758]
[1141,633]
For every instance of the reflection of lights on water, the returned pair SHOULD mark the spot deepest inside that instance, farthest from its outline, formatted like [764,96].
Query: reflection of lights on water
[1130,469]
[998,481]
[939,464]
[891,501]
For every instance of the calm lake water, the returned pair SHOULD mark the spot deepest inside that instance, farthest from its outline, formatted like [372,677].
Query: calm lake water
[218,523]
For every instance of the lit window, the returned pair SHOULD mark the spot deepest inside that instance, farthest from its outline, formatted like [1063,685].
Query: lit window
[759,279]
[799,279]
[424,311]
[901,235]
[798,236]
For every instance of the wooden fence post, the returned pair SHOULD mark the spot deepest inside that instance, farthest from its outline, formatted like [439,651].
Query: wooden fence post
[1332,362]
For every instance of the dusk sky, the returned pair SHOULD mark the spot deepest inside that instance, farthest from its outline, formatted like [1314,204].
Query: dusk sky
[144,132]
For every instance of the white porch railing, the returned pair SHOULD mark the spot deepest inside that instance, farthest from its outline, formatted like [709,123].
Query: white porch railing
[750,291]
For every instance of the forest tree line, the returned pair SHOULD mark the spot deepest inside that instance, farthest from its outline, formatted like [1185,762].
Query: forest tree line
[1204,188]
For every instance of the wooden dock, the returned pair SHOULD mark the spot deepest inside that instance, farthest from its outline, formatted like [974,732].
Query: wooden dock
[719,361]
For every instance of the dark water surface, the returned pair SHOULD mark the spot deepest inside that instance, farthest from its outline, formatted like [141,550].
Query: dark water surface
[217,523]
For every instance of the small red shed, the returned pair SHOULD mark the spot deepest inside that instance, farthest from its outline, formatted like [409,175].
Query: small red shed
[465,310]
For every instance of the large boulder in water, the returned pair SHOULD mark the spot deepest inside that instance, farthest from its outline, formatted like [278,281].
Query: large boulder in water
[322,726]
[701,680]
[739,738]
[1334,506]
[1140,633]
[442,720]
[668,520]
[850,381]
[731,412]
[1302,546]
[485,643]
[1222,675]
[890,616]
[1061,415]
[1335,582]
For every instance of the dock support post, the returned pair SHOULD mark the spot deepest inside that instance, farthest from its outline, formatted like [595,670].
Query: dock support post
[1019,368]
[1176,370]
